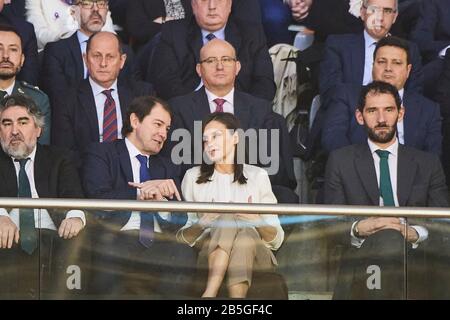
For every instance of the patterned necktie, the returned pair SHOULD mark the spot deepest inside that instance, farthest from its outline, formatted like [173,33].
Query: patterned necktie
[146,233]
[2,94]
[219,102]
[210,36]
[385,179]
[28,236]
[109,117]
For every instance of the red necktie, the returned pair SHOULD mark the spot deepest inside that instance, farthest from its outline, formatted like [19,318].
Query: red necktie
[109,117]
[219,102]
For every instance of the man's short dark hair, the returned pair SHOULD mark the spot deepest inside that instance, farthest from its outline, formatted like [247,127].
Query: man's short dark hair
[378,87]
[392,41]
[25,102]
[9,28]
[141,107]
[119,42]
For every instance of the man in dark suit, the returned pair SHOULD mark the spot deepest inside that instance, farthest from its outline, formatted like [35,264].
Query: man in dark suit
[30,69]
[136,252]
[63,60]
[100,103]
[421,126]
[35,248]
[382,172]
[174,60]
[218,69]
[348,58]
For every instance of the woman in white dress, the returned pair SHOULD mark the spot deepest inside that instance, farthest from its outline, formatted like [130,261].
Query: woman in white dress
[54,20]
[234,244]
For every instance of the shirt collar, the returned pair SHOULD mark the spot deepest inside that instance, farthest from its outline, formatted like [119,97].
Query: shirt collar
[229,97]
[393,148]
[32,155]
[10,89]
[81,37]
[132,150]
[98,89]
[219,34]
[401,92]
[368,40]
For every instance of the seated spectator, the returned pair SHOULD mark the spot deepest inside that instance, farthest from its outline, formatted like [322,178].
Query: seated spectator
[432,34]
[63,60]
[218,68]
[12,60]
[35,249]
[382,172]
[173,65]
[349,58]
[234,244]
[94,111]
[421,126]
[54,19]
[30,70]
[138,247]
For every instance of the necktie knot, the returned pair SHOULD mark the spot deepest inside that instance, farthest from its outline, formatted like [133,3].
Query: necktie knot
[383,154]
[210,36]
[2,94]
[22,162]
[107,93]
[219,103]
[142,160]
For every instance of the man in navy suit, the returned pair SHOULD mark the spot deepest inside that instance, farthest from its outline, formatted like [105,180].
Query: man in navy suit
[175,58]
[137,252]
[80,120]
[30,69]
[218,69]
[421,126]
[348,58]
[63,63]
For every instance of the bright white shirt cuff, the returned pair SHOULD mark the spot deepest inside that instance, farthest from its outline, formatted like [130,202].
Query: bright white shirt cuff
[442,52]
[76,214]
[355,241]
[4,212]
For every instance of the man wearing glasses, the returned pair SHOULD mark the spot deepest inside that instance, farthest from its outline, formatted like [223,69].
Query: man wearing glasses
[63,59]
[348,58]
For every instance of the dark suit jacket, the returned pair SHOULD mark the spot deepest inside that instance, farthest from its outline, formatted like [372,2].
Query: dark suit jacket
[422,121]
[64,69]
[107,171]
[175,58]
[432,31]
[55,176]
[75,123]
[343,62]
[30,69]
[252,112]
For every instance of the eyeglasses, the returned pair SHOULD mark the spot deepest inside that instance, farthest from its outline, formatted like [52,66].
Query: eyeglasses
[87,4]
[225,61]
[373,9]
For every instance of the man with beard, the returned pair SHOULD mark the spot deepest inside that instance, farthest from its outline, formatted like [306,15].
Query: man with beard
[63,63]
[382,172]
[12,60]
[35,245]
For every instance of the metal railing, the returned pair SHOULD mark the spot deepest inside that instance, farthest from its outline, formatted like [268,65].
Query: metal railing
[173,206]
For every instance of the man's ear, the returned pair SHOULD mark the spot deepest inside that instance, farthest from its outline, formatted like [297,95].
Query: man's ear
[401,114]
[238,67]
[359,117]
[123,58]
[134,121]
[198,69]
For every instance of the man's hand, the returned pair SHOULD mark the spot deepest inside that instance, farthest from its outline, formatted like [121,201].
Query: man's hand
[370,226]
[70,227]
[157,189]
[8,232]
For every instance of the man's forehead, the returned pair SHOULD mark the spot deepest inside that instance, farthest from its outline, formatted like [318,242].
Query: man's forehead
[8,37]
[382,3]
[391,52]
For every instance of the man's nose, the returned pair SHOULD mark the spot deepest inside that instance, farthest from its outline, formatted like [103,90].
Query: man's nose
[212,4]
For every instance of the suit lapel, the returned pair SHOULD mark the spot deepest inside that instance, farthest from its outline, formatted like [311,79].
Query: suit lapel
[358,57]
[42,167]
[9,177]
[232,35]
[75,51]
[411,120]
[125,163]
[200,105]
[366,172]
[125,99]
[87,103]
[405,175]
[195,40]
[241,111]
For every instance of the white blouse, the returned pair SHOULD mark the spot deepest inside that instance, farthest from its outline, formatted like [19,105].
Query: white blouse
[223,189]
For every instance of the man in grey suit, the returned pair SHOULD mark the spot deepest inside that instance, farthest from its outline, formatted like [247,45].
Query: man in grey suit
[382,173]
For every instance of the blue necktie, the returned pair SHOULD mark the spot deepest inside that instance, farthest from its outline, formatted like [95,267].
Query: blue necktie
[146,232]
[28,236]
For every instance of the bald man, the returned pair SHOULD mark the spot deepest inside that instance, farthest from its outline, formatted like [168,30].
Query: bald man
[218,69]
[95,109]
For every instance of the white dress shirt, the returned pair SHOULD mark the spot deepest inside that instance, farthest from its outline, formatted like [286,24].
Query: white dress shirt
[369,46]
[393,163]
[42,219]
[134,223]
[100,99]
[228,106]
[400,124]
[442,52]
[10,89]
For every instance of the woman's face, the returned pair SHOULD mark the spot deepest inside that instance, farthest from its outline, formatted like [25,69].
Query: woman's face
[219,143]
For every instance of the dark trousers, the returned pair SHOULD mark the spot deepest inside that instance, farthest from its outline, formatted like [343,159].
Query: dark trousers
[123,268]
[384,267]
[45,273]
